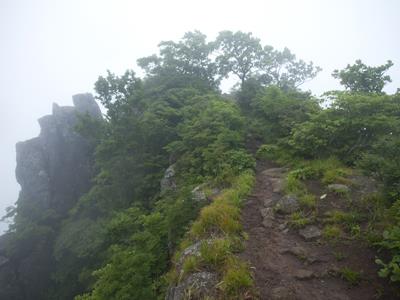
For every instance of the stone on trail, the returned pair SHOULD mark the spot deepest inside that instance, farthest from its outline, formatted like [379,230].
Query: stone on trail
[303,274]
[268,217]
[275,172]
[310,232]
[283,293]
[277,185]
[287,204]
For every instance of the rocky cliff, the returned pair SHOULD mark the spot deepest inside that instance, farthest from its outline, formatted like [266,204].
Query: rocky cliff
[54,170]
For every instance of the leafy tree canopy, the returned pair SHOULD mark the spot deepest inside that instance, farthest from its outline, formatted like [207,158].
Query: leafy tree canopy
[362,78]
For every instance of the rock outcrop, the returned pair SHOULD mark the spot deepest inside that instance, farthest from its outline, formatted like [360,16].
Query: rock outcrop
[54,170]
[168,181]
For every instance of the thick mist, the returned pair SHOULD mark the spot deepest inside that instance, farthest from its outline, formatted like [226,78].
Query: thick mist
[51,50]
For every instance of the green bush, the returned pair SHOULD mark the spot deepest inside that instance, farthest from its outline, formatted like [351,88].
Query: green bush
[391,242]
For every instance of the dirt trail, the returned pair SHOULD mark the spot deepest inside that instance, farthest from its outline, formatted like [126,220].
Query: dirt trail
[286,266]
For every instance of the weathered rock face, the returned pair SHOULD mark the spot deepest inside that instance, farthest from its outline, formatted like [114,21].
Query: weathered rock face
[200,285]
[168,181]
[53,169]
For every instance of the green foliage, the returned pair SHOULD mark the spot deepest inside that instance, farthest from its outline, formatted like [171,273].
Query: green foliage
[243,55]
[237,279]
[279,111]
[184,63]
[391,242]
[351,276]
[348,128]
[240,53]
[362,78]
[331,232]
[293,185]
[190,265]
[341,217]
[221,221]
[267,152]
[382,162]
[117,240]
[339,256]
[299,220]
[217,218]
[215,252]
[210,141]
[308,201]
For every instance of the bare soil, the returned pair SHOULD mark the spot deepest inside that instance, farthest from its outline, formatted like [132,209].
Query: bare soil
[286,266]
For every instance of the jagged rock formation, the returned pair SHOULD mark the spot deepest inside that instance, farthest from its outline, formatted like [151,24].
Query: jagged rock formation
[54,170]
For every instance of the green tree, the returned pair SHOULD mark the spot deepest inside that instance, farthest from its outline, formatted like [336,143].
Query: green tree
[185,61]
[239,53]
[362,78]
[242,54]
[348,128]
[283,69]
[277,111]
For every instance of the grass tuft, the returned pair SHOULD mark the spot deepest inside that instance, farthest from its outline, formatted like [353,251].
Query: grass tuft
[237,279]
[351,276]
[299,220]
[332,232]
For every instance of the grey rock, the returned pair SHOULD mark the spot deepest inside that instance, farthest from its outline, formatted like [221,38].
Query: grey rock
[338,188]
[297,251]
[267,223]
[268,202]
[303,274]
[267,212]
[198,194]
[310,232]
[283,293]
[85,104]
[193,250]
[364,184]
[282,226]
[3,260]
[268,217]
[287,204]
[277,185]
[168,181]
[200,286]
[275,172]
[55,168]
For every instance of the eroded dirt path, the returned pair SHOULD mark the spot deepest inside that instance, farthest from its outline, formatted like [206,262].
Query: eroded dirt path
[286,265]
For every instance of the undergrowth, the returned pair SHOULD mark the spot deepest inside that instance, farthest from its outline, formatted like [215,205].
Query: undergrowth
[219,230]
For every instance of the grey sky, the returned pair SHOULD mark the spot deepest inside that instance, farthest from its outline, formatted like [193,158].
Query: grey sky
[52,49]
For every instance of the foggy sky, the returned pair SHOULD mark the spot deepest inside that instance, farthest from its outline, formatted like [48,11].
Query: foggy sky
[50,50]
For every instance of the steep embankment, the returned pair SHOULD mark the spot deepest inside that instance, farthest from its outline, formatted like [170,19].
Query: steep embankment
[307,262]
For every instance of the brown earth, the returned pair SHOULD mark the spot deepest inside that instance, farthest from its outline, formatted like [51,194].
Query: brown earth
[286,266]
